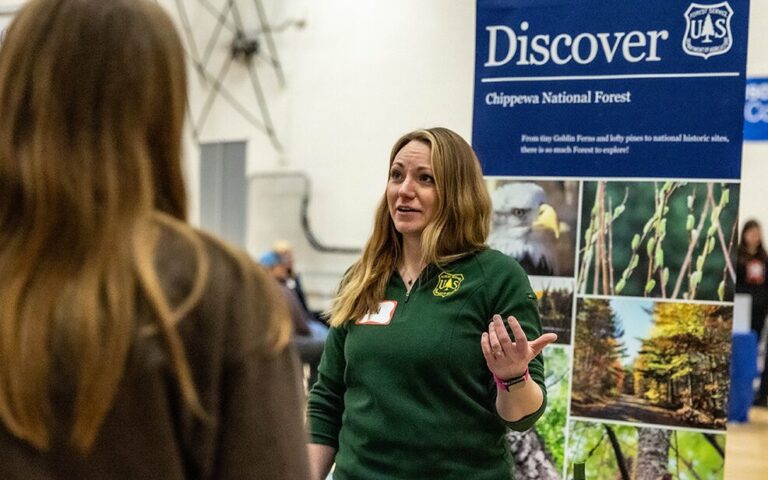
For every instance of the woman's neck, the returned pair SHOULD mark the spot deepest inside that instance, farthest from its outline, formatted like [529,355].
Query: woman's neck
[411,262]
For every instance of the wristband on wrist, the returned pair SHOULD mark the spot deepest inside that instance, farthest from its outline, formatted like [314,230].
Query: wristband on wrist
[513,383]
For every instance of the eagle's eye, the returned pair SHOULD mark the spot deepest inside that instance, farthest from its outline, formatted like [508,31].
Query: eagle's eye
[520,212]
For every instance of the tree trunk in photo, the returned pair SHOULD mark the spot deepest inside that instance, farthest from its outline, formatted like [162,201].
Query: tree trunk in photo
[713,441]
[621,461]
[652,454]
[531,460]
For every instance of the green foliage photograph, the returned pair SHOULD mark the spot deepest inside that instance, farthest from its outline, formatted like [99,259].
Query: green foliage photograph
[627,452]
[645,361]
[658,239]
[540,452]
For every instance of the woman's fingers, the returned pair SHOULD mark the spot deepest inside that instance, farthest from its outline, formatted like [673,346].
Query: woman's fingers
[501,333]
[522,344]
[521,341]
[497,343]
[485,345]
[493,337]
[538,345]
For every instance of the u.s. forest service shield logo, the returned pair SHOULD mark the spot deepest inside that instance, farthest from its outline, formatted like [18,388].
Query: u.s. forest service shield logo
[707,29]
[447,284]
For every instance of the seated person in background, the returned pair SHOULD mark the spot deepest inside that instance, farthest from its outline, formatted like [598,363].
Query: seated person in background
[284,249]
[309,334]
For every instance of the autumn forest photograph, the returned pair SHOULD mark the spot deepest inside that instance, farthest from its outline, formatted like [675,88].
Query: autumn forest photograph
[555,298]
[652,362]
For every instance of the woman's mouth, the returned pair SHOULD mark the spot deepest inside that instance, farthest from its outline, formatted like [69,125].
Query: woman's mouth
[407,210]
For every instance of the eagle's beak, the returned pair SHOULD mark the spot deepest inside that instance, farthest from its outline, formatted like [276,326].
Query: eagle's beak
[548,219]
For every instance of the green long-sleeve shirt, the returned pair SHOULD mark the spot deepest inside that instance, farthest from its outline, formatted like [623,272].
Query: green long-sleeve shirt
[406,394]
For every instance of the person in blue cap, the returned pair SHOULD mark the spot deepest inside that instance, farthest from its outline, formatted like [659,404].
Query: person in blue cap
[308,334]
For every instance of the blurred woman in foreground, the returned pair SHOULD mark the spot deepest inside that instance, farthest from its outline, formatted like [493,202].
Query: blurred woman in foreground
[131,345]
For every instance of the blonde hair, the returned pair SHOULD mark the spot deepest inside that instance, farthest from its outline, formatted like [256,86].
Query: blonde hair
[282,247]
[460,224]
[93,98]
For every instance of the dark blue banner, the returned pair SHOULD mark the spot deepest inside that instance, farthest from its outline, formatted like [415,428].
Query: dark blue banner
[581,88]
[756,110]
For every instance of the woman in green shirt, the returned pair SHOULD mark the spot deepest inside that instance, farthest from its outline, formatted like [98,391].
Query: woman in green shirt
[420,375]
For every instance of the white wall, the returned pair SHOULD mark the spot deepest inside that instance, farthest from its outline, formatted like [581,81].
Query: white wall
[358,75]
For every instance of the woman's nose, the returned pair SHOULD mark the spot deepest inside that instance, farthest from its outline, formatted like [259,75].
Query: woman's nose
[407,188]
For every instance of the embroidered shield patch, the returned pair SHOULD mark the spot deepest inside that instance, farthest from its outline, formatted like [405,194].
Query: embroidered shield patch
[447,284]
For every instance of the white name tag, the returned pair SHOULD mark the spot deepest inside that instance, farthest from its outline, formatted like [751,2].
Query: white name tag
[381,317]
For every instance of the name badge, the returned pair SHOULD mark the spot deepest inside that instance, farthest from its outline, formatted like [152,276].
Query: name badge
[382,317]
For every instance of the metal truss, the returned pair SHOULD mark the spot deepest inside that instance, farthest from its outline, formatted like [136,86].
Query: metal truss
[246,49]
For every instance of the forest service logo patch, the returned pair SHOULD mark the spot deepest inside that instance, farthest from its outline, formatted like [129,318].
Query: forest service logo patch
[708,29]
[447,284]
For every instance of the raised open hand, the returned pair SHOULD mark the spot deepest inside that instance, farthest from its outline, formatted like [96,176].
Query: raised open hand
[506,358]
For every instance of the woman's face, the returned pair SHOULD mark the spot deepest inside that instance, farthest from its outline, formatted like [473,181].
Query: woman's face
[752,237]
[411,194]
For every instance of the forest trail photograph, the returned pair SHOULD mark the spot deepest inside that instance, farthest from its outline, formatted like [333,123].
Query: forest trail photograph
[662,363]
[629,408]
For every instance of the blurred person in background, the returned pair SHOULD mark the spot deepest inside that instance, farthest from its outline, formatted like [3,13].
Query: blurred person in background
[131,345]
[292,280]
[751,269]
[309,334]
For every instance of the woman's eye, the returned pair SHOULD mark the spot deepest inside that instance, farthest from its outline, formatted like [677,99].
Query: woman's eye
[427,178]
[395,174]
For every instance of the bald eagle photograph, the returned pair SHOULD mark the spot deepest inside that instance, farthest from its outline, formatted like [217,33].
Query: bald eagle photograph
[534,222]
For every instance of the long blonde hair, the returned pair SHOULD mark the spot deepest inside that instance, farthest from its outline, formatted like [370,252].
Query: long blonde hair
[460,225]
[93,98]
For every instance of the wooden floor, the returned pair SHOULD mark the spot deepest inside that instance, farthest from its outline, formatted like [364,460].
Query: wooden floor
[746,448]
